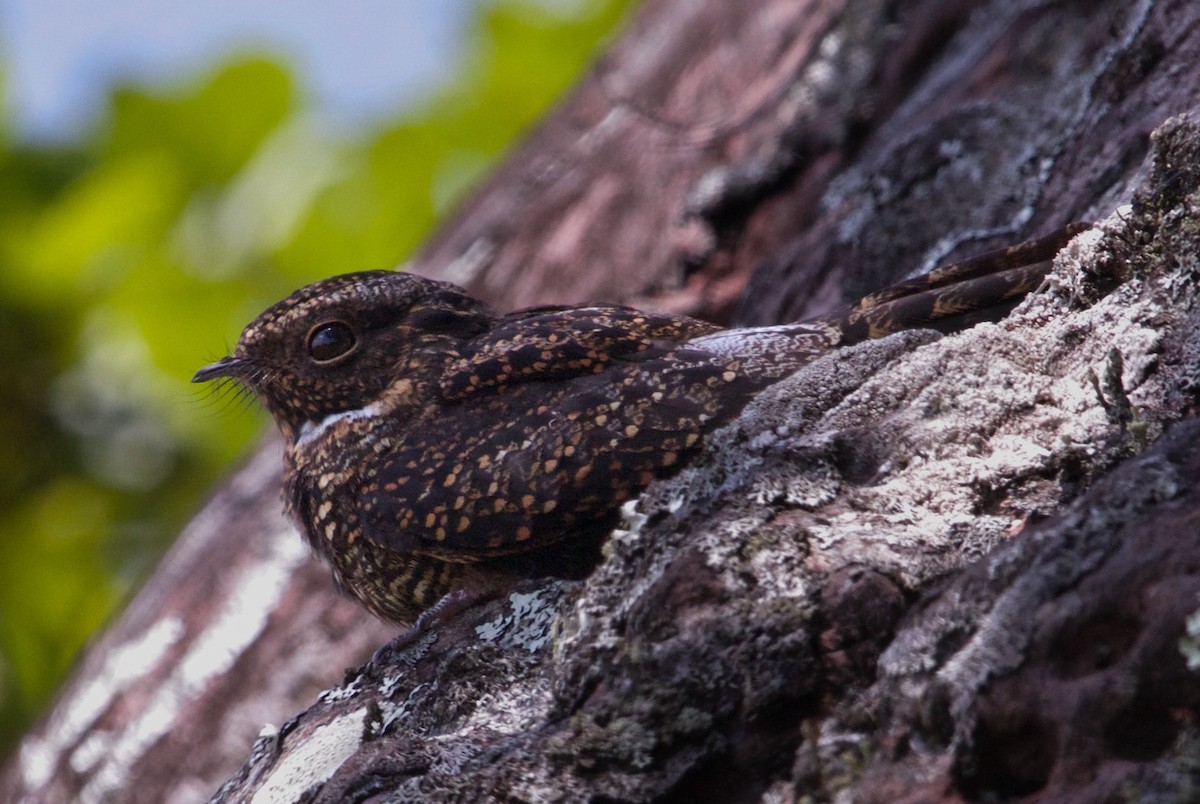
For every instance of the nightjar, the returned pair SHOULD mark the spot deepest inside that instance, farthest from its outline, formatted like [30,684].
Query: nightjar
[434,445]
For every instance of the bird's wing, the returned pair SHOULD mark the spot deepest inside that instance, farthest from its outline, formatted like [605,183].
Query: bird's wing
[554,343]
[532,463]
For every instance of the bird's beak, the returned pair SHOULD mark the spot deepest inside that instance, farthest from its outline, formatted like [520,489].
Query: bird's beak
[225,367]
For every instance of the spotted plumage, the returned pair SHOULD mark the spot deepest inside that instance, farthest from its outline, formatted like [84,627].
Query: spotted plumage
[435,445]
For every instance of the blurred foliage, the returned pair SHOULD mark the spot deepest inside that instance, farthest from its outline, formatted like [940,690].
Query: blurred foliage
[132,258]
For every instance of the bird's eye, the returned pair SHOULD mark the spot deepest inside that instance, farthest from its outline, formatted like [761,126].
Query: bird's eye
[330,340]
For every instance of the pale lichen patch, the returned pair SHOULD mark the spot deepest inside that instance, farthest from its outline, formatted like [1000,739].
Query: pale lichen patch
[314,761]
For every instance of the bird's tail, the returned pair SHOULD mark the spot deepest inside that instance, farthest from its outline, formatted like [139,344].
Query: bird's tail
[983,288]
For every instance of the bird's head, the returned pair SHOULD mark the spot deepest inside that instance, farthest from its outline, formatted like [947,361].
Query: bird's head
[336,345]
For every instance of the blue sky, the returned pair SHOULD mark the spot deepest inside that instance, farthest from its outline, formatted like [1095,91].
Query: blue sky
[359,58]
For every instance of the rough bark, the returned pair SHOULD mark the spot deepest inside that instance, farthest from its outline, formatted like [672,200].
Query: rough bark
[923,568]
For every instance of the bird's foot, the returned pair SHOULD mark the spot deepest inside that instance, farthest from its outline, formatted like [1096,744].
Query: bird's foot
[451,604]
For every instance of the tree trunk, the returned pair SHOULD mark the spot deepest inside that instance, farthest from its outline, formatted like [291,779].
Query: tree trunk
[922,568]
